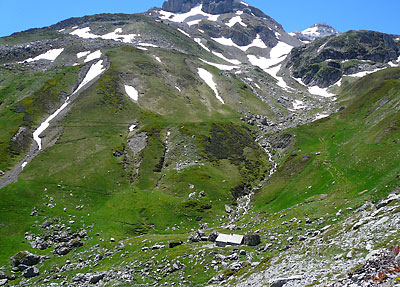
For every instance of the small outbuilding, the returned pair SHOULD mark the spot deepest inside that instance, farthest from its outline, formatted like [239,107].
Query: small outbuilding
[229,239]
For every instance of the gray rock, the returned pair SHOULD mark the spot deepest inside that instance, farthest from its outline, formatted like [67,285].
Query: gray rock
[252,239]
[213,236]
[174,244]
[25,258]
[196,236]
[62,250]
[282,281]
[94,279]
[3,282]
[30,272]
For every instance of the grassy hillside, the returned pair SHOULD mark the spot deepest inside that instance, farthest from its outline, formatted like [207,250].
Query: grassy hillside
[208,150]
[349,157]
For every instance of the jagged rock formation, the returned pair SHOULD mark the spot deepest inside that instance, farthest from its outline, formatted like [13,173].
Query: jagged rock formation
[316,31]
[211,6]
[325,61]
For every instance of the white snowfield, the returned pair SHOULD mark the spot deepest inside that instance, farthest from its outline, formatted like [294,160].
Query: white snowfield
[312,31]
[257,42]
[94,71]
[234,20]
[323,92]
[158,59]
[232,61]
[220,66]
[183,32]
[24,164]
[93,56]
[148,45]
[198,41]
[132,128]
[270,66]
[116,35]
[82,54]
[207,77]
[192,17]
[132,92]
[50,55]
[321,116]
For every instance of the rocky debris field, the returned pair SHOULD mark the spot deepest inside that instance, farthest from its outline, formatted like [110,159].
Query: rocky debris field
[343,254]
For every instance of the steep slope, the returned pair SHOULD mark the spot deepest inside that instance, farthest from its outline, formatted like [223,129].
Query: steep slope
[124,134]
[324,61]
[332,167]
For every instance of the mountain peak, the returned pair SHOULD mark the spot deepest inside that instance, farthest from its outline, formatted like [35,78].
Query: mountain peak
[213,7]
[316,31]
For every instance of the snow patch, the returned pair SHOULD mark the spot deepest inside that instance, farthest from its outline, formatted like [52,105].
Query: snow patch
[244,3]
[207,77]
[312,31]
[93,56]
[158,59]
[277,55]
[24,164]
[257,42]
[50,55]
[183,32]
[148,45]
[94,71]
[192,17]
[132,92]
[198,41]
[321,116]
[364,73]
[116,35]
[234,20]
[315,90]
[232,61]
[220,66]
[132,128]
[142,48]
[82,54]
[273,72]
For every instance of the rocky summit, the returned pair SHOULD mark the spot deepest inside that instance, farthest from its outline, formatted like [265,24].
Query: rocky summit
[213,7]
[199,144]
[316,31]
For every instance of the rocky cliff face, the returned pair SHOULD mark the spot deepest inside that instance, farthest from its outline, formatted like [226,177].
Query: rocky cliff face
[325,61]
[213,7]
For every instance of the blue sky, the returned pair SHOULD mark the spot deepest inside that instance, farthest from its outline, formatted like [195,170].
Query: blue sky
[344,15]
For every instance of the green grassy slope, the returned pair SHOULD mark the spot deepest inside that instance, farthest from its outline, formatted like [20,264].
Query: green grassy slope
[81,169]
[351,154]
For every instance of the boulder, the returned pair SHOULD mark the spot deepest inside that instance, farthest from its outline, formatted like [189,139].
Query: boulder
[25,258]
[213,236]
[94,279]
[282,281]
[196,236]
[174,244]
[252,239]
[30,272]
